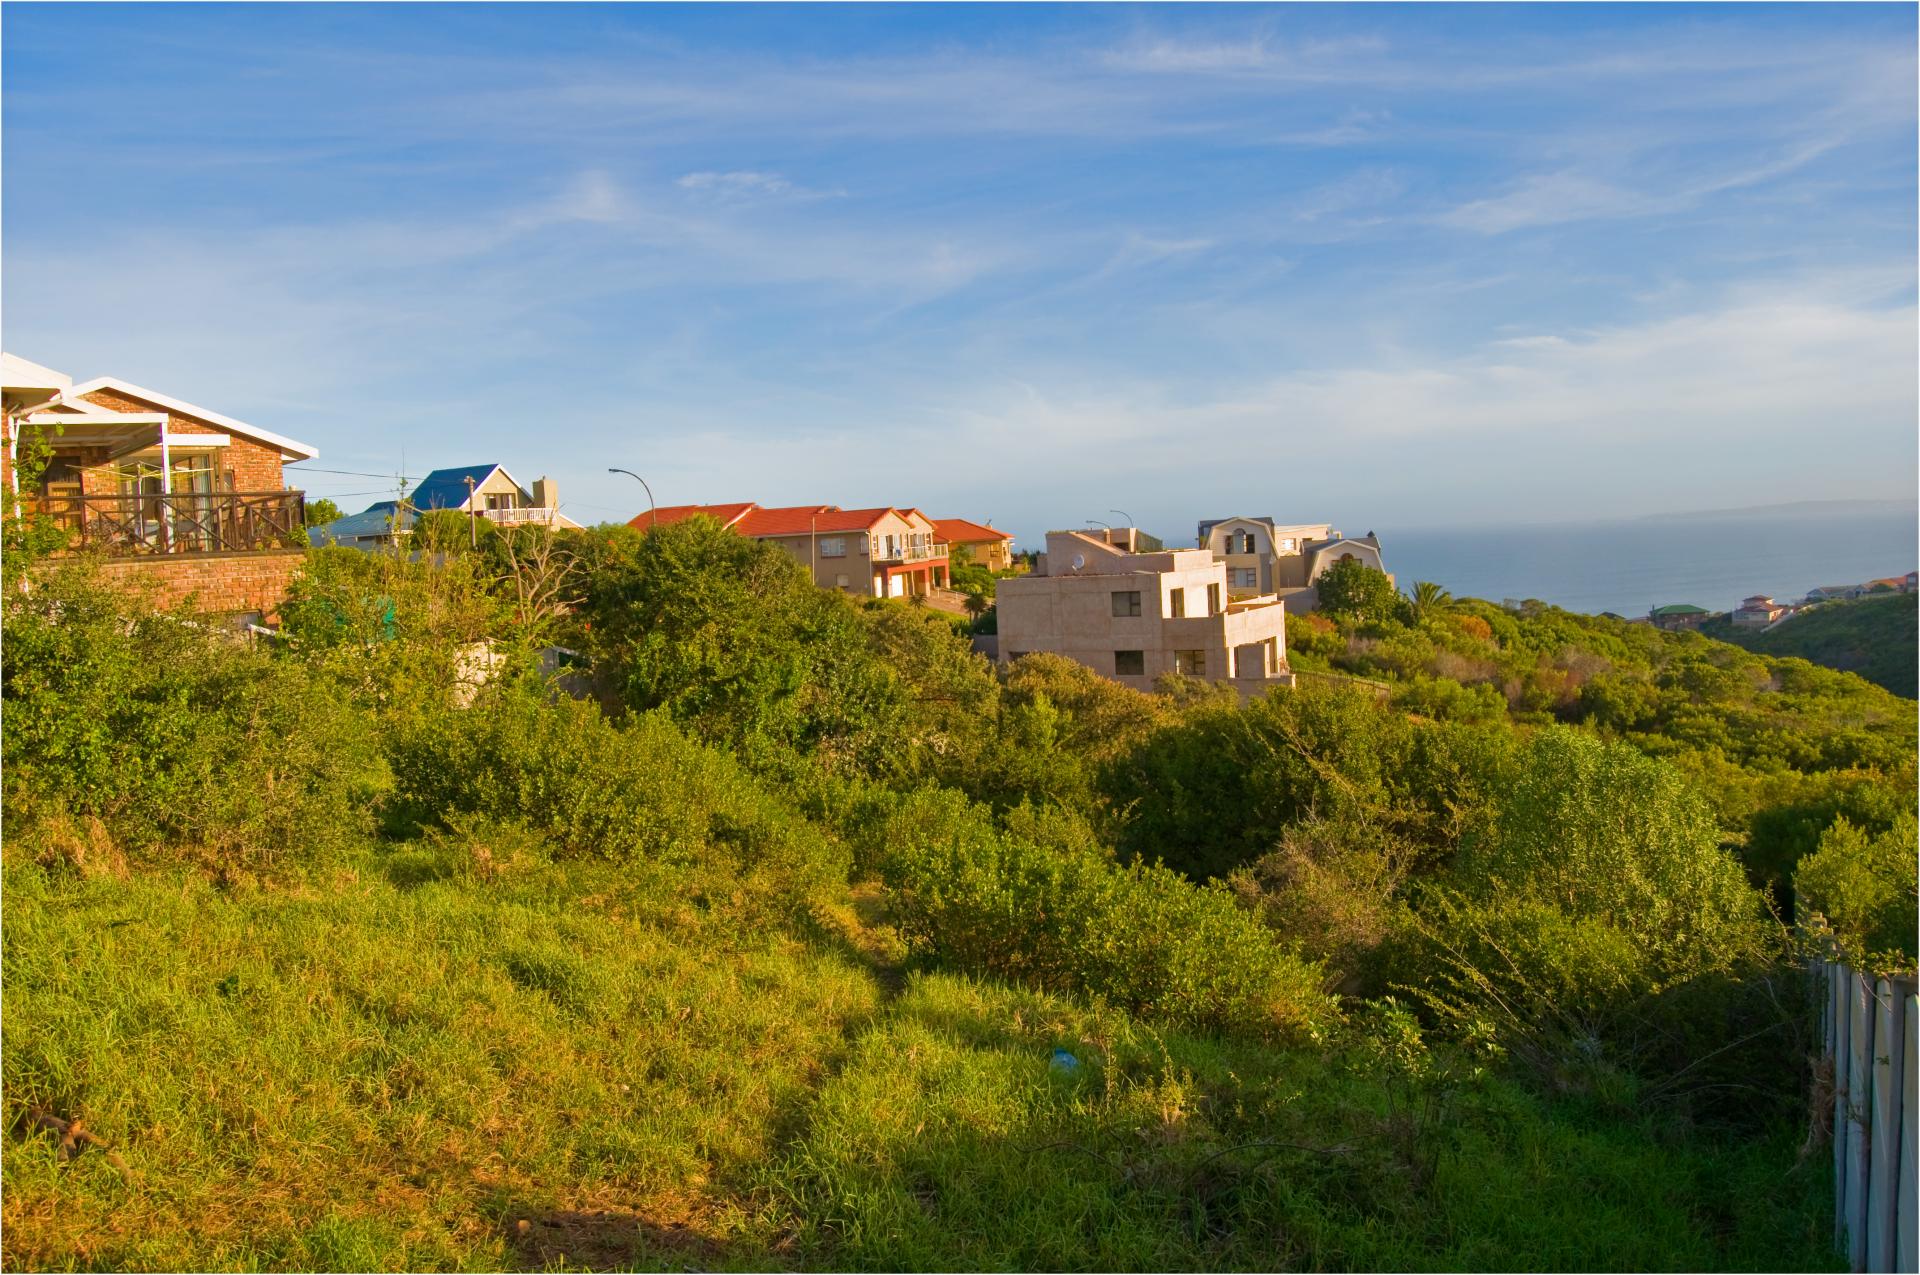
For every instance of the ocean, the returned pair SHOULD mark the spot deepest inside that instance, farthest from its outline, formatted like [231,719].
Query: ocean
[1632,566]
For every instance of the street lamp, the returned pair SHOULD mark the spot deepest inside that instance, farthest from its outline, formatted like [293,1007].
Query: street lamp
[1124,514]
[1097,522]
[643,486]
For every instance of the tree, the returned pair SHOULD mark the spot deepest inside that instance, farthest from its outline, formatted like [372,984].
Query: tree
[322,511]
[1351,588]
[1429,599]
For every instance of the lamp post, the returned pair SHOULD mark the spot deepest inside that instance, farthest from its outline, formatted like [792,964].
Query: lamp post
[473,528]
[643,486]
[1124,514]
[1098,523]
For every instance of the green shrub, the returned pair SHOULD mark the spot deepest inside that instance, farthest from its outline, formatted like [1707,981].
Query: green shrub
[179,738]
[1864,887]
[644,792]
[1142,937]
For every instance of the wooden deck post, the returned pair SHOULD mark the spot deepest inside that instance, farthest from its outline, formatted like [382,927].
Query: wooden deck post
[1883,1141]
[1859,1102]
[1907,1198]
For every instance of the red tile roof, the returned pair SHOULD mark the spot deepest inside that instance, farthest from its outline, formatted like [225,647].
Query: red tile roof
[799,520]
[727,514]
[961,531]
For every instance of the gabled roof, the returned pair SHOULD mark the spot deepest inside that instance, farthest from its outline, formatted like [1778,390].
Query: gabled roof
[381,519]
[727,515]
[289,448]
[962,531]
[447,488]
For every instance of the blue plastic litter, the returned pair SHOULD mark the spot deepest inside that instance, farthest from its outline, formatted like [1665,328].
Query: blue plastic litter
[1064,1061]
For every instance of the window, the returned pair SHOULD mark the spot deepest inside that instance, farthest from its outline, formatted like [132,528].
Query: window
[1127,603]
[1285,546]
[840,582]
[833,547]
[1213,599]
[1239,542]
[1243,577]
[1192,663]
[1129,663]
[1179,604]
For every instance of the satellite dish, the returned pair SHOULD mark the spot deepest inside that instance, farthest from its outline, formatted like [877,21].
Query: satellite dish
[1079,561]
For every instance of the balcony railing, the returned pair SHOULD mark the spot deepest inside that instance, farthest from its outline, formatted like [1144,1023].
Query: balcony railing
[184,522]
[541,514]
[899,552]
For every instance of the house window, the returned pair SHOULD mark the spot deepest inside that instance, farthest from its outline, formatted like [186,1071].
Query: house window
[1179,604]
[1243,577]
[1285,546]
[1127,603]
[840,582]
[1213,599]
[833,547]
[1129,663]
[1192,663]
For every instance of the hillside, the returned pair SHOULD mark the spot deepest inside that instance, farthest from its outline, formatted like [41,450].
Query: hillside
[828,946]
[1878,638]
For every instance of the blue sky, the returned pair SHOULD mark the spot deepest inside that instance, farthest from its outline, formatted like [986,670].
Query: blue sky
[1372,264]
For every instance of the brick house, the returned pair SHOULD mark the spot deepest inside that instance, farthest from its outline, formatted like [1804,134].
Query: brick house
[192,499]
[879,553]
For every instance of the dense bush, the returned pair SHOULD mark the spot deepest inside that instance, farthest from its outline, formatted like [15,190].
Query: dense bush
[177,737]
[992,902]
[1595,921]
[635,794]
[1863,886]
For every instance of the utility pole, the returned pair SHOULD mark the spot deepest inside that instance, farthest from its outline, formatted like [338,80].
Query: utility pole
[473,528]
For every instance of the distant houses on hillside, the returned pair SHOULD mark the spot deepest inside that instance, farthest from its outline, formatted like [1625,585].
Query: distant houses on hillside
[1762,611]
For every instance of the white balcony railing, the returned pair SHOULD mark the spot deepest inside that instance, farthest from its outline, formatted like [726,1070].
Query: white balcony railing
[898,551]
[520,517]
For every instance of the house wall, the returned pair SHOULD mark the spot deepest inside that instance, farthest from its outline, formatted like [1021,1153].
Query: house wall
[218,583]
[254,466]
[1276,558]
[1072,615]
[496,484]
[994,555]
[865,570]
[1358,550]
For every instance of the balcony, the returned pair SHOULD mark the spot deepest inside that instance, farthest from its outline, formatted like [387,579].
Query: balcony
[129,524]
[879,551]
[542,515]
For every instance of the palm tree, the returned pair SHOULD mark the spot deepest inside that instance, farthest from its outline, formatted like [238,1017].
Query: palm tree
[1429,599]
[977,604]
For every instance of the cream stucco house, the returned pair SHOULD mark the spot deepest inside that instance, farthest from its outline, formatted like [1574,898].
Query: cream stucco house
[1134,616]
[1283,559]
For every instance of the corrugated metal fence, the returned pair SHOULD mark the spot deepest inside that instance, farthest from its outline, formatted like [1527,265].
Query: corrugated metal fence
[1870,1029]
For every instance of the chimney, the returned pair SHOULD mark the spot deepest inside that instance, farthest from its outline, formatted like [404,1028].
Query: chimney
[545,493]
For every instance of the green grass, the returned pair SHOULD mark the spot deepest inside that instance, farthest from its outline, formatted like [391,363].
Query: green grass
[396,1064]
[361,1074]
